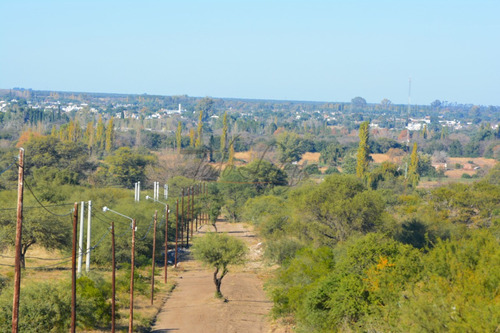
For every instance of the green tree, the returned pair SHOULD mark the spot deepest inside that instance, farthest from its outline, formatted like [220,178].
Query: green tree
[89,135]
[230,160]
[199,131]
[363,156]
[332,154]
[335,209]
[100,134]
[110,136]
[358,102]
[219,251]
[223,136]
[264,175]
[191,138]
[42,229]
[289,147]
[178,137]
[413,175]
[125,167]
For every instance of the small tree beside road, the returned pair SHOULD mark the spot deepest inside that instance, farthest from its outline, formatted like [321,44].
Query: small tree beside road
[219,251]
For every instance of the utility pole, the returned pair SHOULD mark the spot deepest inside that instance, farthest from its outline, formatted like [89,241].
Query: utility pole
[205,220]
[188,217]
[176,230]
[153,259]
[132,268]
[73,270]
[192,211]
[113,278]
[197,190]
[19,230]
[182,219]
[166,242]
[89,232]
[80,240]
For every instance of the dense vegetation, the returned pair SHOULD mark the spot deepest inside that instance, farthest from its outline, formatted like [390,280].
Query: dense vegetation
[361,246]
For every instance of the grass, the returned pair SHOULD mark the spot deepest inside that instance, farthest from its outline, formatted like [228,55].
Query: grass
[144,312]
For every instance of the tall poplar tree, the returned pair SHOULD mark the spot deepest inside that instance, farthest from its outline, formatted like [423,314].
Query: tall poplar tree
[89,135]
[178,137]
[199,132]
[230,160]
[363,156]
[110,136]
[413,176]
[223,135]
[100,135]
[191,138]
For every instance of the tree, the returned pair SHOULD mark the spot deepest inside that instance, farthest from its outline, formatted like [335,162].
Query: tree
[385,104]
[41,228]
[191,138]
[413,176]
[199,131]
[264,175]
[332,154]
[125,167]
[178,137]
[219,251]
[436,104]
[205,106]
[363,156]
[223,136]
[100,135]
[289,147]
[230,160]
[110,136]
[336,208]
[89,135]
[358,102]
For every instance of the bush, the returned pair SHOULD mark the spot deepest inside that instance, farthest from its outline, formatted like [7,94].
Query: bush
[282,249]
[331,170]
[312,169]
[45,306]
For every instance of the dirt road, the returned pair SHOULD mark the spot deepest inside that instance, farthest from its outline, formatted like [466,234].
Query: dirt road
[192,306]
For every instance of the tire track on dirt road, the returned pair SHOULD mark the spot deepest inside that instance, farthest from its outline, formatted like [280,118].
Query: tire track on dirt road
[192,307]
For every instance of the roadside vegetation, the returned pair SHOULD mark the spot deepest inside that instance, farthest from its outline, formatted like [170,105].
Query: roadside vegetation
[368,232]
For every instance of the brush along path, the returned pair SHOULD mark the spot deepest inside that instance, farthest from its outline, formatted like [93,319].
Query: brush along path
[192,306]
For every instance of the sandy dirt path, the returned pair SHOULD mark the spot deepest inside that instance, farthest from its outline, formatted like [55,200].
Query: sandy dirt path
[193,308]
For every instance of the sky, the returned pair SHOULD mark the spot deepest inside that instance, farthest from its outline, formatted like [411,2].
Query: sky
[311,50]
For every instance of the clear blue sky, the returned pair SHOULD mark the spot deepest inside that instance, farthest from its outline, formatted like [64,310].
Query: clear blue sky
[297,50]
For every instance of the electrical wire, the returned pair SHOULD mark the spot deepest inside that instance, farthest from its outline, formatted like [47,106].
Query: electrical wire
[149,228]
[48,210]
[34,207]
[10,166]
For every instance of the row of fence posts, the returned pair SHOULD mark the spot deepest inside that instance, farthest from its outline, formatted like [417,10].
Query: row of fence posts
[196,221]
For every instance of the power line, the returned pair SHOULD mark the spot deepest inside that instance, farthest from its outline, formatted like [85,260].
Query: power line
[10,166]
[48,210]
[35,207]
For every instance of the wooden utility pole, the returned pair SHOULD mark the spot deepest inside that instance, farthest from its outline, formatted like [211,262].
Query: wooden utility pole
[176,230]
[132,269]
[73,270]
[205,220]
[197,189]
[153,259]
[188,209]
[192,211]
[113,264]
[182,219]
[166,242]
[19,231]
